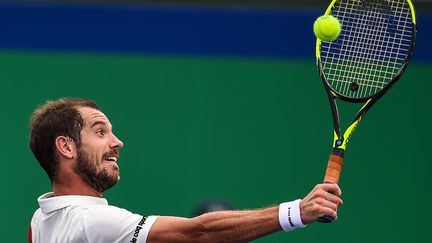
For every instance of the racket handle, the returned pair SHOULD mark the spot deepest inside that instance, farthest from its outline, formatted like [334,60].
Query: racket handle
[326,219]
[334,168]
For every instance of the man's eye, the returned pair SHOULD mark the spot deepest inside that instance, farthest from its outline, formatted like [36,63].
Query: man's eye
[100,132]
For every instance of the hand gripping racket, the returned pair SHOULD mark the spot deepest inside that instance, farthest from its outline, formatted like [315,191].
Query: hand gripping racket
[363,63]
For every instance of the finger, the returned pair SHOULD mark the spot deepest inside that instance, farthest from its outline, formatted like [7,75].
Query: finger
[334,199]
[328,211]
[325,191]
[327,204]
[332,188]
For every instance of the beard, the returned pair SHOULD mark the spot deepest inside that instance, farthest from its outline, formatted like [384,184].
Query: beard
[98,180]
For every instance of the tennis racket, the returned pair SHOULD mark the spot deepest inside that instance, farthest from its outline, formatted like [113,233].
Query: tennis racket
[363,63]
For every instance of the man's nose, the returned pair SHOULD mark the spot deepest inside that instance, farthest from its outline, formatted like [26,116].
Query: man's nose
[116,143]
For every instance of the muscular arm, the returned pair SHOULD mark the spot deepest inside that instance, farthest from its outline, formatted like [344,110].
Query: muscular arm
[242,226]
[223,226]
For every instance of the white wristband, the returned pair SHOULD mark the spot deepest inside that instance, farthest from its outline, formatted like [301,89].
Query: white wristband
[289,216]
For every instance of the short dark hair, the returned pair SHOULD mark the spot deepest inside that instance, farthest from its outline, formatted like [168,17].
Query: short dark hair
[55,118]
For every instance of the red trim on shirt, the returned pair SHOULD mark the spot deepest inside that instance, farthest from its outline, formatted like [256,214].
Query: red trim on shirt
[30,235]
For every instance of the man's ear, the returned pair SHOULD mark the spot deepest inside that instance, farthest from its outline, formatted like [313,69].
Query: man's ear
[65,147]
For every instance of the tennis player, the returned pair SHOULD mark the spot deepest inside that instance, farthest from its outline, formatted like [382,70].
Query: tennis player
[74,143]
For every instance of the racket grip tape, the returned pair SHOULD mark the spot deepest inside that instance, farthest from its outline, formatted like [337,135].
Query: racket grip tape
[334,168]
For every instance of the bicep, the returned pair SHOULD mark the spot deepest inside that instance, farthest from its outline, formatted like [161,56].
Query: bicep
[176,229]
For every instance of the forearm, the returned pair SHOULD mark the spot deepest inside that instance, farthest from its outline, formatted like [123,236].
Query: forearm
[244,226]
[223,226]
[240,226]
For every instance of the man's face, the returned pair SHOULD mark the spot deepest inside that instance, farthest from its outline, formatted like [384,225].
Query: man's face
[99,150]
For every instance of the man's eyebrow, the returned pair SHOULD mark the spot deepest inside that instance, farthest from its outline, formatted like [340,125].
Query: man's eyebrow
[97,123]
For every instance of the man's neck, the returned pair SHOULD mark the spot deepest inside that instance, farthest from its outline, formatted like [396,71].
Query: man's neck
[73,185]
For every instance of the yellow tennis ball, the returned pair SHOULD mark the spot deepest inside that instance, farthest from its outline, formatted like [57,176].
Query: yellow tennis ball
[327,28]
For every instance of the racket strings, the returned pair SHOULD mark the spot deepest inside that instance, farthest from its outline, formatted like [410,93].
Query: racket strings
[374,43]
[361,62]
[368,77]
[373,77]
[360,58]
